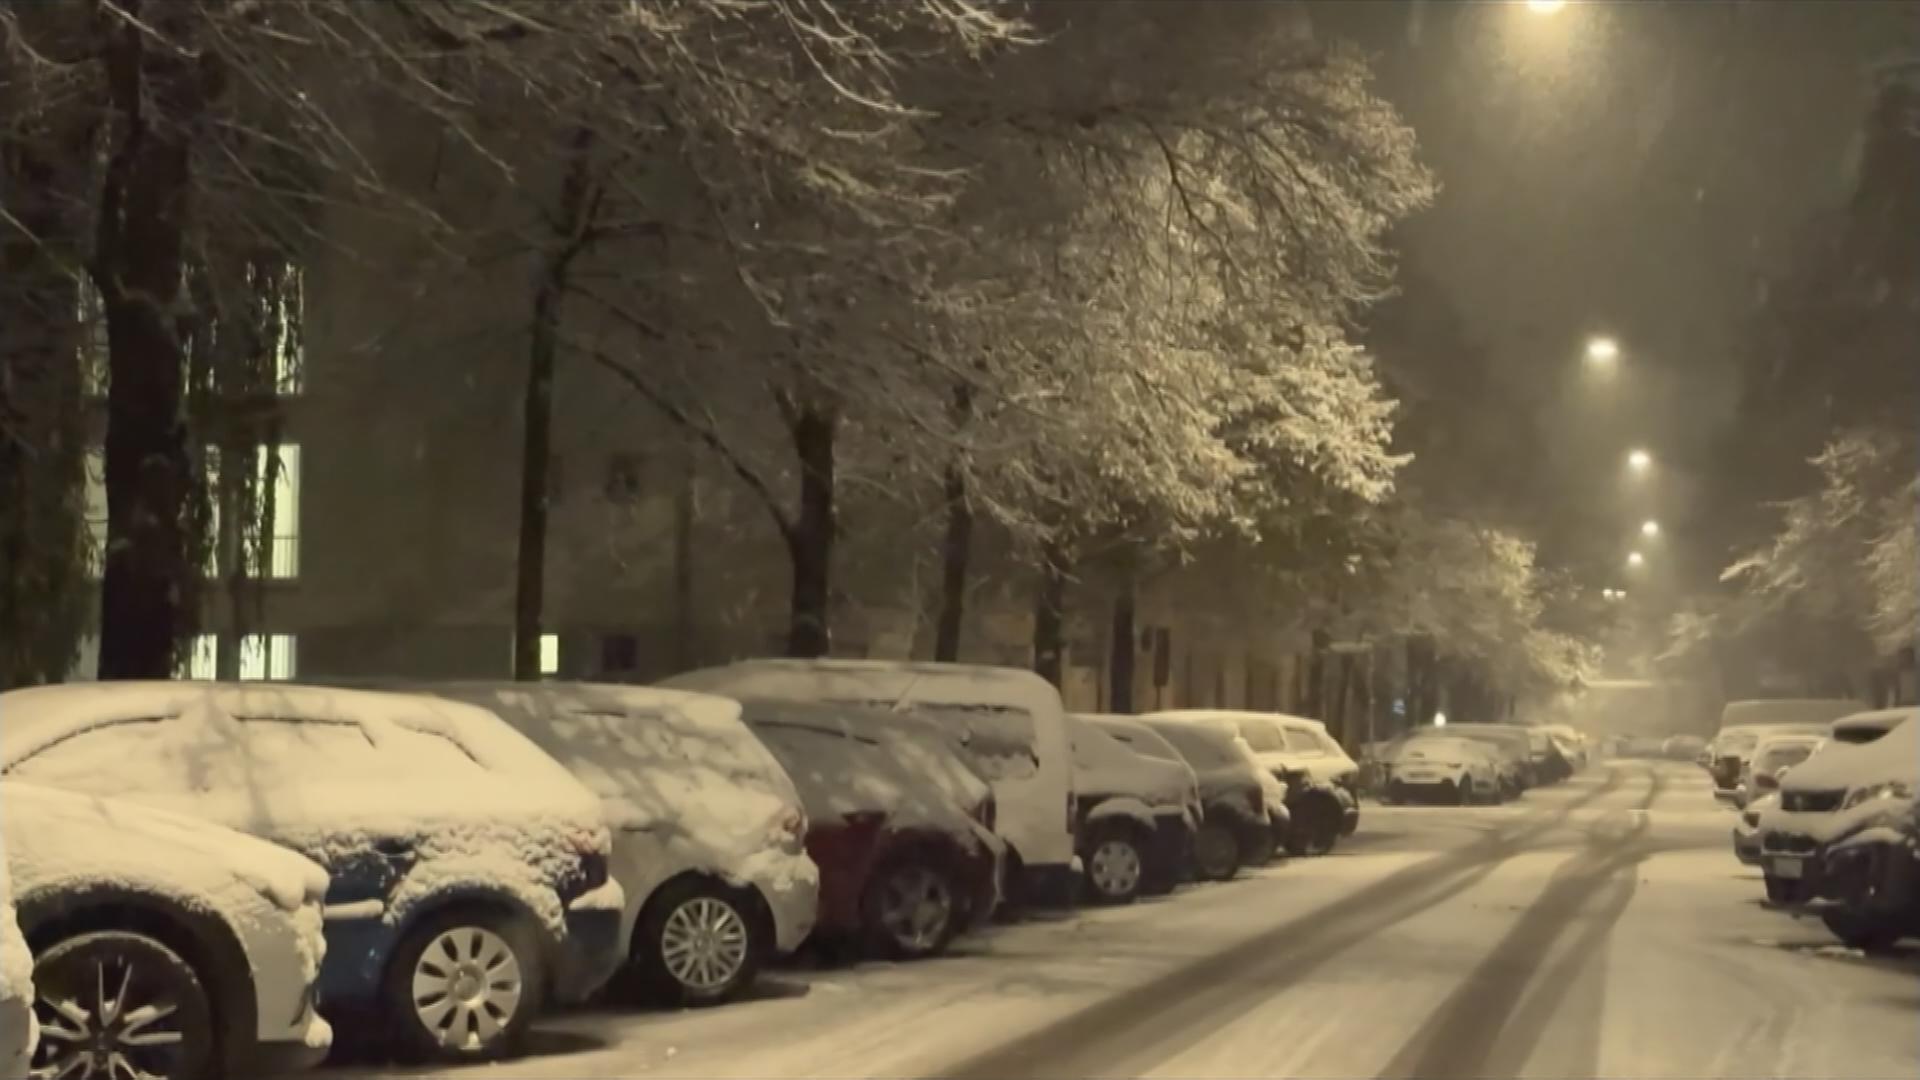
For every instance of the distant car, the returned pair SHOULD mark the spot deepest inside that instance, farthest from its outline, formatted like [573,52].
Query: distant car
[1742,724]
[1136,828]
[19,1033]
[709,832]
[1235,827]
[1839,790]
[164,946]
[1320,778]
[1512,750]
[1683,747]
[1772,757]
[1456,772]
[469,870]
[1009,724]
[1746,831]
[906,862]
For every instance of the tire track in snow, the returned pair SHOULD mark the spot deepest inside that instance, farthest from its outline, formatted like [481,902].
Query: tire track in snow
[1136,1029]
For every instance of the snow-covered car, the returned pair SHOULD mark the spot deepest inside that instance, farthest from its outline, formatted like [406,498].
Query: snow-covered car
[1839,790]
[1136,827]
[468,870]
[1742,723]
[164,946]
[1865,727]
[1572,742]
[1870,877]
[1746,831]
[1009,724]
[1143,740]
[1512,751]
[708,831]
[907,858]
[1319,776]
[18,1031]
[1237,826]
[1457,772]
[1772,757]
[1683,747]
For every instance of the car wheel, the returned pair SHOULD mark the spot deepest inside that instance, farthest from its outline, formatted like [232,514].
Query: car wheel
[1116,865]
[911,910]
[1782,890]
[464,985]
[1860,932]
[1216,852]
[699,943]
[1316,827]
[120,1004]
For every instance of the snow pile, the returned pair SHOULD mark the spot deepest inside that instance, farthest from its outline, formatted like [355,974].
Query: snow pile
[17,1024]
[337,775]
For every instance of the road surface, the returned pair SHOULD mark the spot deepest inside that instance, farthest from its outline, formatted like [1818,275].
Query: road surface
[1598,928]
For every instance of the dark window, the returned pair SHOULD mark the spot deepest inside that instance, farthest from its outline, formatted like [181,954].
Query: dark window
[619,652]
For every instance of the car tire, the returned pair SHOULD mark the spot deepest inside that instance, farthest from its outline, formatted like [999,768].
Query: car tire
[910,910]
[1316,827]
[1216,853]
[88,983]
[1862,932]
[1116,864]
[1783,890]
[699,943]
[484,966]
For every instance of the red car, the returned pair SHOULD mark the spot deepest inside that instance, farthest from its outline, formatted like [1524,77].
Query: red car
[899,826]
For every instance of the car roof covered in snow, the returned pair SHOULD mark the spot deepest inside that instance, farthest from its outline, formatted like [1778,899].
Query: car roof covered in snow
[880,682]
[1787,711]
[1877,720]
[1237,716]
[1893,756]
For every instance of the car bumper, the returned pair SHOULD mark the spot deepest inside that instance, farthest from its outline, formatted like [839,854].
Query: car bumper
[1424,788]
[591,953]
[1050,884]
[282,1056]
[1171,847]
[790,886]
[1746,844]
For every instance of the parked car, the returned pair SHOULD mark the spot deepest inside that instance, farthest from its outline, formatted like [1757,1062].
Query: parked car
[167,946]
[1136,828]
[1840,789]
[1743,722]
[709,832]
[468,869]
[904,866]
[1865,727]
[1009,724]
[1319,776]
[1235,825]
[1683,747]
[1746,831]
[19,1032]
[1573,743]
[1870,875]
[1146,742]
[1454,771]
[1772,757]
[1513,751]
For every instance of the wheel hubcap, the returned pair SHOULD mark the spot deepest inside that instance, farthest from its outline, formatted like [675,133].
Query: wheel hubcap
[1115,868]
[467,987]
[108,1031]
[704,943]
[915,908]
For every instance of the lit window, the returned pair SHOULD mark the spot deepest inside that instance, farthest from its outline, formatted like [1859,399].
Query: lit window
[289,354]
[267,656]
[282,534]
[549,654]
[96,469]
[90,314]
[202,659]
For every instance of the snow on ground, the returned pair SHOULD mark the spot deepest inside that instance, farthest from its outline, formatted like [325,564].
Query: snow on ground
[1591,929]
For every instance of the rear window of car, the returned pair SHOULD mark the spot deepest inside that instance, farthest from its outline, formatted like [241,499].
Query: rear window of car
[297,749]
[1302,742]
[1782,755]
[1266,738]
[998,739]
[1201,749]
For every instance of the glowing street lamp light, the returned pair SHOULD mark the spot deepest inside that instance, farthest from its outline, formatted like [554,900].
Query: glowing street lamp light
[1439,719]
[1640,460]
[1602,351]
[1545,7]
[1634,558]
[1611,594]
[1649,529]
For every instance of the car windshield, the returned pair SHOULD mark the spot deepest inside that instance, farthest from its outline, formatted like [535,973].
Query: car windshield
[1772,756]
[1334,386]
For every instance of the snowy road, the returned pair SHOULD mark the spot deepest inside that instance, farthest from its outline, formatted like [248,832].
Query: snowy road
[1600,928]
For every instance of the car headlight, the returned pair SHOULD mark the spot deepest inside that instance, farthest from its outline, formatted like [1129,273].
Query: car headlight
[1889,789]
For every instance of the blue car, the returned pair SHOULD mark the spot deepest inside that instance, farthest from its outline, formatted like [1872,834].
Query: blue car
[467,870]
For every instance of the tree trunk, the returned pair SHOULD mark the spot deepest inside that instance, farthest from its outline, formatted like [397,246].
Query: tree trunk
[536,430]
[1317,675]
[685,651]
[811,535]
[149,592]
[1049,615]
[956,552]
[1123,650]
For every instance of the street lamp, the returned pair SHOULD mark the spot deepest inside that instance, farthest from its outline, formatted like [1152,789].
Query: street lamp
[1611,594]
[1602,351]
[1640,460]
[1545,7]
[1649,529]
[1439,719]
[1634,558]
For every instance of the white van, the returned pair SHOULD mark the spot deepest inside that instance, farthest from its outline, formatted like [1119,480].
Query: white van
[1009,723]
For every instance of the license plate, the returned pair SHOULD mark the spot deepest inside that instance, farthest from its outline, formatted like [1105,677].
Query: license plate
[1788,868]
